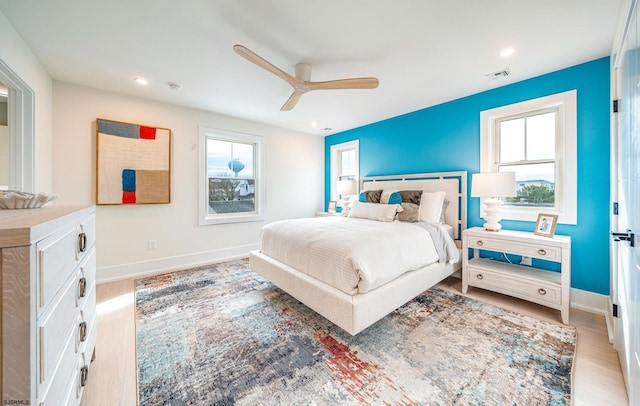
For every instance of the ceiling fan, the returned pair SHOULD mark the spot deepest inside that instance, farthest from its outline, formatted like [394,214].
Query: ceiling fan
[300,82]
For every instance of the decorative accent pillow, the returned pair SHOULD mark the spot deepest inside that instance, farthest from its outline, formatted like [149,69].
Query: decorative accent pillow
[374,211]
[410,213]
[431,206]
[390,197]
[411,196]
[370,196]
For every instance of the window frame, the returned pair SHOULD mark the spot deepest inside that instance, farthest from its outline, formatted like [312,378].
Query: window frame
[204,217]
[336,173]
[566,174]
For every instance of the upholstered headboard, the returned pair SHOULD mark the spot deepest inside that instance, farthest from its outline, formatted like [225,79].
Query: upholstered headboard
[454,184]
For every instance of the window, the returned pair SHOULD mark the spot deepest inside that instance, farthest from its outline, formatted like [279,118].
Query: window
[229,177]
[344,164]
[535,139]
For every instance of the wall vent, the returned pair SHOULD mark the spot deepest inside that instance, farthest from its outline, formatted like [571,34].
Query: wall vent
[498,74]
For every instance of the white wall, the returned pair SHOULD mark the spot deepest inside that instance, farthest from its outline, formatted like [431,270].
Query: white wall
[17,55]
[294,182]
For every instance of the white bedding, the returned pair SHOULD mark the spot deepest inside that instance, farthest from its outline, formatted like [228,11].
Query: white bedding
[360,254]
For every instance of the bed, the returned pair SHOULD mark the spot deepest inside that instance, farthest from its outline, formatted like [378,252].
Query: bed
[317,273]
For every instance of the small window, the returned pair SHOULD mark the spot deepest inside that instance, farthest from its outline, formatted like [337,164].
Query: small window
[527,146]
[229,177]
[535,139]
[344,164]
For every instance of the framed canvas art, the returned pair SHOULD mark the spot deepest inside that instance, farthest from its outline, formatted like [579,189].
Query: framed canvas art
[133,163]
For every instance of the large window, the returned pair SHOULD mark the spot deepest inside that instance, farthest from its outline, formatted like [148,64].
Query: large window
[535,139]
[344,164]
[229,177]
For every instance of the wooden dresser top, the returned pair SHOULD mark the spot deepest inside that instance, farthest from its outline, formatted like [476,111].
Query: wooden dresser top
[20,227]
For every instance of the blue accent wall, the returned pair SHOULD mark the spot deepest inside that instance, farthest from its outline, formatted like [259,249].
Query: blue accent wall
[422,141]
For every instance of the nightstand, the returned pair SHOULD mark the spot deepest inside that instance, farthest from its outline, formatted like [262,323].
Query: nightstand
[327,214]
[548,288]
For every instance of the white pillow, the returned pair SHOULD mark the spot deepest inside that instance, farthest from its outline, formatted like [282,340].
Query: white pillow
[431,206]
[374,211]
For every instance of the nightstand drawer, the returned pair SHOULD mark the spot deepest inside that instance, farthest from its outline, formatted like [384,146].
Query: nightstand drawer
[528,289]
[549,253]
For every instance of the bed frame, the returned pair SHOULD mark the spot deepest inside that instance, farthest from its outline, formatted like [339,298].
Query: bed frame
[354,313]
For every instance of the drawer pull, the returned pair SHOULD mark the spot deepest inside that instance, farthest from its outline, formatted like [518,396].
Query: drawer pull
[479,276]
[82,242]
[542,291]
[479,243]
[82,327]
[82,287]
[542,252]
[84,375]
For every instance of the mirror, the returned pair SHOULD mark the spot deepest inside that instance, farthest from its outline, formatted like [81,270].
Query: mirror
[20,128]
[5,157]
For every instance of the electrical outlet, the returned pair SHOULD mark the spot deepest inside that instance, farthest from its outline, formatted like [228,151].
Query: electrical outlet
[526,261]
[152,245]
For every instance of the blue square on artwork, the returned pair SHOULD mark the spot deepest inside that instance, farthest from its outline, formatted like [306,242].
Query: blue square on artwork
[128,180]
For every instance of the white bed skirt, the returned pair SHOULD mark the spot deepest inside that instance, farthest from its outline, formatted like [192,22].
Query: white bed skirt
[351,313]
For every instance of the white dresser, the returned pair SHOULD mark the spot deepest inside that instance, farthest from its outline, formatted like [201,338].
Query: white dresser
[48,317]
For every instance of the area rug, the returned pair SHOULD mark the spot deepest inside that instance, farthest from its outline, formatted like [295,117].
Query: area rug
[223,335]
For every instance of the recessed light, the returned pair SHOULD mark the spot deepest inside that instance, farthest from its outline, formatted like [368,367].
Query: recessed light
[507,52]
[141,81]
[314,124]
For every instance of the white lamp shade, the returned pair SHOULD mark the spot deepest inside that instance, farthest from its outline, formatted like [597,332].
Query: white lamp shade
[346,187]
[493,184]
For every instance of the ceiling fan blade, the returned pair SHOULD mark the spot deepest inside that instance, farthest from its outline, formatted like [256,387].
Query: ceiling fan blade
[266,65]
[355,83]
[292,100]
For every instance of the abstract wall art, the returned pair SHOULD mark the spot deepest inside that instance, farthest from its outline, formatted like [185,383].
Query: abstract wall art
[133,163]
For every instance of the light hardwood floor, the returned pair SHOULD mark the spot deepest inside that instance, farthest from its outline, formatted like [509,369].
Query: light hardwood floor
[597,379]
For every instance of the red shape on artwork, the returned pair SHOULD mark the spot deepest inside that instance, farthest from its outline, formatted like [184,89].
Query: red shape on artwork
[147,133]
[128,197]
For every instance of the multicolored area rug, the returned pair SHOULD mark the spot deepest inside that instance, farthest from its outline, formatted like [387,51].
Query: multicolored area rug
[223,335]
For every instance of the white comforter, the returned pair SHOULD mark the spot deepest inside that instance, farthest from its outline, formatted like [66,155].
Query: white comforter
[353,255]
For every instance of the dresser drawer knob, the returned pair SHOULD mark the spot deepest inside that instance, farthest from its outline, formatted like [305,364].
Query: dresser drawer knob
[84,376]
[479,243]
[542,291]
[542,252]
[82,287]
[82,242]
[82,327]
[479,276]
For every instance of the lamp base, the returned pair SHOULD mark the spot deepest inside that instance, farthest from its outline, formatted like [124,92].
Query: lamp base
[492,214]
[344,204]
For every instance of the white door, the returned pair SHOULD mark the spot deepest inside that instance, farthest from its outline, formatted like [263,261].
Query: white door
[625,285]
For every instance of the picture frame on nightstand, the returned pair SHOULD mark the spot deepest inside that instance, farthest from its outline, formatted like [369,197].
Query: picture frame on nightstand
[331,207]
[546,224]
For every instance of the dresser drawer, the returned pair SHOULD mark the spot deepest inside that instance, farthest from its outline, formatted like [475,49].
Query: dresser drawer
[57,258]
[54,330]
[56,390]
[532,290]
[540,251]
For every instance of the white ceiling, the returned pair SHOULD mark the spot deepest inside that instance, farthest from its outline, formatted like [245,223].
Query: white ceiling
[424,52]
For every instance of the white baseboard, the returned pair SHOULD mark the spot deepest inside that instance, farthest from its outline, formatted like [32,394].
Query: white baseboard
[169,264]
[589,301]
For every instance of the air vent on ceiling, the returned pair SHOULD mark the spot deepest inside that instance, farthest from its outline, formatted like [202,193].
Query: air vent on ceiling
[498,74]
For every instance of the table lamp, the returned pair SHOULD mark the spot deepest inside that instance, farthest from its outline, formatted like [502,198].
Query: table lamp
[345,188]
[492,186]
